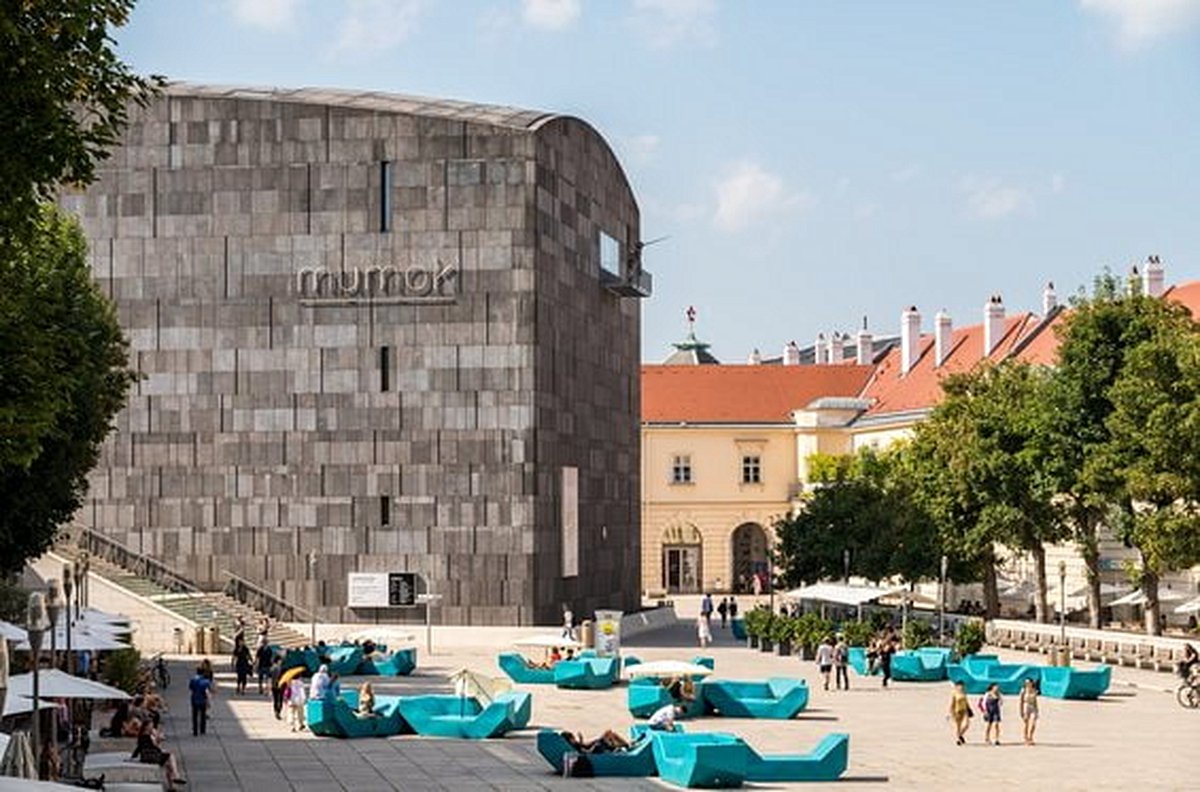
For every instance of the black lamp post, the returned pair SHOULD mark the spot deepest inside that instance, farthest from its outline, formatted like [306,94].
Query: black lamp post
[54,606]
[35,625]
[942,601]
[68,585]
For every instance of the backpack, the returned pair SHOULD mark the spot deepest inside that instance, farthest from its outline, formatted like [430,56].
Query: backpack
[577,765]
[981,705]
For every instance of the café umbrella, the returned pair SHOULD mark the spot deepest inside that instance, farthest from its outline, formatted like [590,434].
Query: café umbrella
[548,641]
[665,669]
[56,684]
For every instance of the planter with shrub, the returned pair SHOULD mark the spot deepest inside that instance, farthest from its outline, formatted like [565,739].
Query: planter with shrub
[857,633]
[782,634]
[970,638]
[756,621]
[811,630]
[917,633]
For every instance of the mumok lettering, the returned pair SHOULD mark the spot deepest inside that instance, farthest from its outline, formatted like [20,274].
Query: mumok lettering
[399,285]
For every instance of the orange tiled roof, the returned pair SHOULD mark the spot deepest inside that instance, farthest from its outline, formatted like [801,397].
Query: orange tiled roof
[741,394]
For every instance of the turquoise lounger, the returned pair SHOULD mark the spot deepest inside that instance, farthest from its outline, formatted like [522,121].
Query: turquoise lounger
[519,671]
[1075,683]
[457,717]
[857,657]
[920,665]
[636,761]
[1009,678]
[300,658]
[590,673]
[338,717]
[708,760]
[343,660]
[976,663]
[777,698]
[826,762]
[707,662]
[398,663]
[522,708]
[646,696]
[739,629]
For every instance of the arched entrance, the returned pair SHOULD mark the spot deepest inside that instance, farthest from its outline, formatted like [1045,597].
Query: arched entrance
[749,554]
[682,546]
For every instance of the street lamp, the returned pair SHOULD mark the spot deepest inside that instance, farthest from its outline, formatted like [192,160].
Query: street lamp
[54,606]
[846,566]
[68,584]
[3,671]
[35,625]
[312,574]
[942,601]
[1062,602]
[82,567]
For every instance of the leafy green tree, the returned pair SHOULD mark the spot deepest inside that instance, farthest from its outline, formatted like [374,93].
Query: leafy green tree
[982,471]
[64,98]
[64,375]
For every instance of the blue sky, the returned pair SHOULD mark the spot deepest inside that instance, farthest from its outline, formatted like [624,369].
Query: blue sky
[811,162]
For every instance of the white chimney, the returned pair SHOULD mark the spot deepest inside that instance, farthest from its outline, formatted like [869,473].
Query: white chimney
[1153,283]
[910,338]
[755,359]
[864,354]
[993,324]
[943,335]
[791,354]
[820,350]
[837,347]
[1049,299]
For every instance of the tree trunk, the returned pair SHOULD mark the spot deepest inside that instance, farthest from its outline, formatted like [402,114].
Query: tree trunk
[1039,570]
[1150,589]
[1091,559]
[991,592]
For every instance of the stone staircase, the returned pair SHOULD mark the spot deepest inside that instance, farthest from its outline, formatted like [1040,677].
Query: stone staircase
[151,580]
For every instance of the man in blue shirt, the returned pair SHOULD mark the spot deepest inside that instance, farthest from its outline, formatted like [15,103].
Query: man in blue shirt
[202,690]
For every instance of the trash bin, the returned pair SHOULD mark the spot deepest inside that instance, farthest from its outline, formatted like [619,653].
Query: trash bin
[587,634]
[1062,656]
[199,641]
[214,640]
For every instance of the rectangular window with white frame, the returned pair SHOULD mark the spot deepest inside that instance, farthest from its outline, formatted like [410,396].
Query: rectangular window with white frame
[751,469]
[681,469]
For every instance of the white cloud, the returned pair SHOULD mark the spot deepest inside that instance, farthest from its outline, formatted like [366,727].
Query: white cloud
[550,14]
[1058,183]
[748,194]
[372,26]
[906,174]
[640,149]
[665,23]
[1141,22]
[991,199]
[265,14]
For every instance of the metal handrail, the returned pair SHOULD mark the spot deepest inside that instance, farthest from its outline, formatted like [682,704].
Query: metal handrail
[254,596]
[140,564]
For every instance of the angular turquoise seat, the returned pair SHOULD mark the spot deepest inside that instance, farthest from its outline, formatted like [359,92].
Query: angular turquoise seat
[857,657]
[645,696]
[778,697]
[920,665]
[707,662]
[976,663]
[739,629]
[344,660]
[518,670]
[629,661]
[522,708]
[301,658]
[707,760]
[589,673]
[826,762]
[1075,683]
[458,717]
[636,761]
[1009,678]
[338,717]
[398,663]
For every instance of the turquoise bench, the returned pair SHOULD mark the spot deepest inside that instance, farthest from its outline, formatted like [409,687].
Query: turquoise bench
[739,629]
[927,664]
[589,673]
[522,708]
[1073,683]
[857,657]
[301,658]
[646,696]
[462,718]
[826,762]
[636,761]
[976,663]
[338,717]
[398,663]
[1009,678]
[344,660]
[708,760]
[777,698]
[513,664]
[707,662]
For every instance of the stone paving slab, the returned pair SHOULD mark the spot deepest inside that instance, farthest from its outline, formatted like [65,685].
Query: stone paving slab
[1134,738]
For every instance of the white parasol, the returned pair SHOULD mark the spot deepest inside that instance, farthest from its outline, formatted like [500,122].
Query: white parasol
[11,632]
[1191,606]
[663,669]
[548,641]
[53,683]
[1139,598]
[18,760]
[388,636]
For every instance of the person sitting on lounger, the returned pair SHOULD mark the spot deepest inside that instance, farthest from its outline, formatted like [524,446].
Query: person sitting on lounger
[366,701]
[682,689]
[609,742]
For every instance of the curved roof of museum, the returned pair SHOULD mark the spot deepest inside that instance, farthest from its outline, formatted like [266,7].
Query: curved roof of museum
[493,115]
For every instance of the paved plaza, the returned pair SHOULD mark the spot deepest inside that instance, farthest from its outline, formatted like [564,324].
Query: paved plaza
[1135,738]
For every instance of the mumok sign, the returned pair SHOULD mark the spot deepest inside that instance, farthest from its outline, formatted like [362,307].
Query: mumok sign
[387,285]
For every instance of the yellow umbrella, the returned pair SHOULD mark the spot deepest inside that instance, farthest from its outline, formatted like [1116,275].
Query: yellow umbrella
[290,674]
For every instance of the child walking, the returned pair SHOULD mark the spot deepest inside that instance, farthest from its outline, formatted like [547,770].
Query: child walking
[990,704]
[960,712]
[1029,709]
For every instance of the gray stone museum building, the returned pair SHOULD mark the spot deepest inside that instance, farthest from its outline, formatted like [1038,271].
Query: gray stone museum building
[376,333]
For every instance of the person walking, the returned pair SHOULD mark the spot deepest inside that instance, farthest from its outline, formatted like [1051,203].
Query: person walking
[841,662]
[825,659]
[733,608]
[706,607]
[263,657]
[887,648]
[296,699]
[1029,709]
[568,630]
[242,665]
[703,631]
[276,687]
[990,704]
[723,611]
[960,712]
[201,690]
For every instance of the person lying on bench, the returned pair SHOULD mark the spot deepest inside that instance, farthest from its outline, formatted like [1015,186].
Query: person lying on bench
[609,742]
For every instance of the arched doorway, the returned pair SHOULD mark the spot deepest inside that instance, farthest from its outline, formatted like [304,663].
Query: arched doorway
[749,554]
[682,546]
